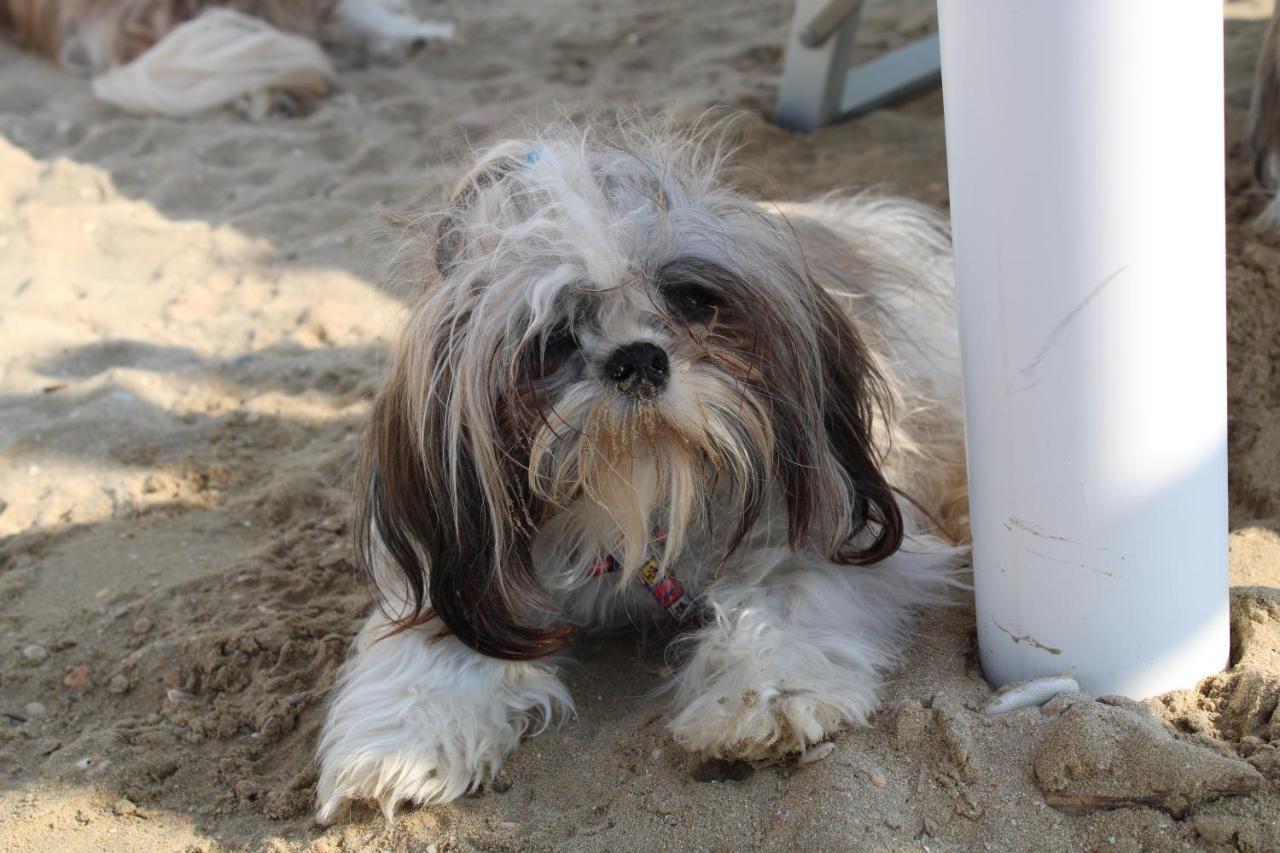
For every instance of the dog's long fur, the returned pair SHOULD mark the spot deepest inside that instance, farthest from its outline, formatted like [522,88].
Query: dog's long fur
[801,457]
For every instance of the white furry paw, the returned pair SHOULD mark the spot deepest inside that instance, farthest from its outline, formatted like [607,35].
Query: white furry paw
[797,653]
[426,721]
[759,724]
[432,755]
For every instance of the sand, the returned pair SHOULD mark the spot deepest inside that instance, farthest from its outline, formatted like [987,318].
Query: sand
[191,325]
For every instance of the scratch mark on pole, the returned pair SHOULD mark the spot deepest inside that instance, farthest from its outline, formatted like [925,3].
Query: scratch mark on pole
[1066,321]
[1028,639]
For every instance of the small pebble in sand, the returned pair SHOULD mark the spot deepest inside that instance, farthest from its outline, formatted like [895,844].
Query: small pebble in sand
[879,779]
[1029,694]
[814,754]
[76,677]
[176,695]
[124,807]
[171,678]
[119,684]
[35,709]
[142,626]
[35,653]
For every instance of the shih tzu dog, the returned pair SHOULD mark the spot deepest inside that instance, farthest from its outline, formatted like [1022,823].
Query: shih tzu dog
[625,393]
[179,57]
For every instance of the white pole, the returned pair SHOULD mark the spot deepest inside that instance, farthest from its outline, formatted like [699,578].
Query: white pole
[1085,152]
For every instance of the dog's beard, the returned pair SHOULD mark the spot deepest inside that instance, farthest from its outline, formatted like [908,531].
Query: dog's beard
[659,463]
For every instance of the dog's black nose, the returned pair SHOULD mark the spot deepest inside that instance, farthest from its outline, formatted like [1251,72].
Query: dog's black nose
[639,369]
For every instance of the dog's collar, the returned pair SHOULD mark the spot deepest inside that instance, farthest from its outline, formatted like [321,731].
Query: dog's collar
[665,589]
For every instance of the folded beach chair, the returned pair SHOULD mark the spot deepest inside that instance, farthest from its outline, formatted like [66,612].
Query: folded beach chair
[818,86]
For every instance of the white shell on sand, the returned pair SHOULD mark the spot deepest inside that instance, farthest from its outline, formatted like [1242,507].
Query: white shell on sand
[1028,694]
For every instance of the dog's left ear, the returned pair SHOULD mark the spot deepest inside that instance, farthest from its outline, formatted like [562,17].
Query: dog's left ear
[427,531]
[851,393]
[497,164]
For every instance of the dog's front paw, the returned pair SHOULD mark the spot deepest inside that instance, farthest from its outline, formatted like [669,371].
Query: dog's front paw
[429,749]
[426,722]
[761,692]
[430,756]
[758,723]
[419,774]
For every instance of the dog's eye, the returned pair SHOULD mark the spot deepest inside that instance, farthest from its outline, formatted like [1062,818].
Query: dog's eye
[552,352]
[560,341]
[696,304]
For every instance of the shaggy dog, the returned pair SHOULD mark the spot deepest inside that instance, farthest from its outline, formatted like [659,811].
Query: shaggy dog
[627,393]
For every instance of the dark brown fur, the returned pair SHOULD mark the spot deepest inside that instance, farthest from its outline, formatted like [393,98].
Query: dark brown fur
[408,509]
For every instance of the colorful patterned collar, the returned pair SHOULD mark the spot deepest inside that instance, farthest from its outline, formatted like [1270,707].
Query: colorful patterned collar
[664,588]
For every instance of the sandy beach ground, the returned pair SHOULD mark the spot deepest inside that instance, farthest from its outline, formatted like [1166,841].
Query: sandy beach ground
[192,321]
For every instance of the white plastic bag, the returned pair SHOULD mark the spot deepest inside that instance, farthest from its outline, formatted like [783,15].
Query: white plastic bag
[212,60]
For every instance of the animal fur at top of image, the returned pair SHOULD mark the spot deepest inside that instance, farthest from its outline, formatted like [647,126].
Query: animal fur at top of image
[628,394]
[181,57]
